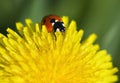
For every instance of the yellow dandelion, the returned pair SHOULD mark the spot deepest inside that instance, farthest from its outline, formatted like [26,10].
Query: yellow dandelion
[35,56]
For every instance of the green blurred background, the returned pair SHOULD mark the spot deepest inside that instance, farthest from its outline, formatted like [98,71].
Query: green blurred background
[94,16]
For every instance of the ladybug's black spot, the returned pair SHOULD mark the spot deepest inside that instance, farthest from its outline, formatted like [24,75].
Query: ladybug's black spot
[60,26]
[52,20]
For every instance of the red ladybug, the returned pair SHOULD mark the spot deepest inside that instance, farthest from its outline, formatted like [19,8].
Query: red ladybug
[53,23]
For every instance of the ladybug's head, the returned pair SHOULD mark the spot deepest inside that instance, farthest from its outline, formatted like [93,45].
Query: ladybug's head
[53,23]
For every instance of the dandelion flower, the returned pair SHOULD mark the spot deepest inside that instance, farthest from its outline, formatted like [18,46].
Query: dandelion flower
[33,55]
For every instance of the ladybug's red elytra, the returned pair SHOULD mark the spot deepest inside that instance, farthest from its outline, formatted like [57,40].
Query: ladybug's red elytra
[53,23]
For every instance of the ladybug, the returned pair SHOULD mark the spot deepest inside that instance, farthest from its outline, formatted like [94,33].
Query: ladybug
[53,23]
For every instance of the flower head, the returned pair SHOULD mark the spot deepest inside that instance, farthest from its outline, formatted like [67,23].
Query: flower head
[33,55]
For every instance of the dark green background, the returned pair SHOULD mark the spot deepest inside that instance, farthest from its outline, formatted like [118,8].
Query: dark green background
[94,16]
